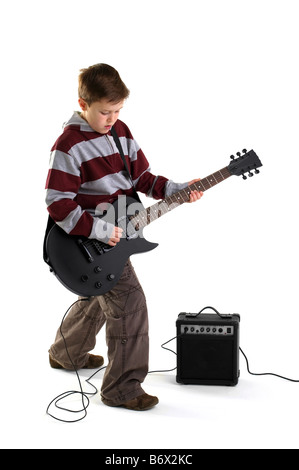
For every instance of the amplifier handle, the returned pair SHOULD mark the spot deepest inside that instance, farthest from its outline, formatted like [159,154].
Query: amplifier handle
[216,311]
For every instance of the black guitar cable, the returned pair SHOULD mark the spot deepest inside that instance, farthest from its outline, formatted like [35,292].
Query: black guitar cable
[84,395]
[265,373]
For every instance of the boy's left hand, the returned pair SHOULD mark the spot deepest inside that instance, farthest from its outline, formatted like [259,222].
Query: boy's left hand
[195,195]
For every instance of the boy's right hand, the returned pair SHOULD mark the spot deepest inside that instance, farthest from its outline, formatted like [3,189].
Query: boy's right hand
[115,236]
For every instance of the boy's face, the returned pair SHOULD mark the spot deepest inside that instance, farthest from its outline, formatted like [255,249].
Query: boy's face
[101,115]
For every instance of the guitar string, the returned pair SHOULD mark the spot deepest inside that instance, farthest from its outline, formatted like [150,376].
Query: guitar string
[167,204]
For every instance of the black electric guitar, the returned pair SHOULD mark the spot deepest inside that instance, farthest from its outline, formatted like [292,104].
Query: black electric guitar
[89,267]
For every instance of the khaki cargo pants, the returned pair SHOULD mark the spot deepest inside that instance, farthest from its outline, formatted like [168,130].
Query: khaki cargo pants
[124,311]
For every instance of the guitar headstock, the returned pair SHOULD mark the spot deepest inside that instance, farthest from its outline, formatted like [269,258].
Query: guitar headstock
[246,162]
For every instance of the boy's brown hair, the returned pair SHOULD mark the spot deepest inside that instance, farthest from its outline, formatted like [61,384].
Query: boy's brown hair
[101,81]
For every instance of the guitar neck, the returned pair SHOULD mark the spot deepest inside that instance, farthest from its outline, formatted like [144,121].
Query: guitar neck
[154,212]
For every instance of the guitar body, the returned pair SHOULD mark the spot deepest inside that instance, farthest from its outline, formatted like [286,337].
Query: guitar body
[88,267]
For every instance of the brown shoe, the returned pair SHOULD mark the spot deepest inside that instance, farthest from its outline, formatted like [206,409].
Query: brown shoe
[93,362]
[141,403]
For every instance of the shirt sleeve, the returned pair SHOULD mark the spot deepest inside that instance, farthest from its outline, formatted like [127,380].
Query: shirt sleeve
[62,186]
[155,186]
[144,180]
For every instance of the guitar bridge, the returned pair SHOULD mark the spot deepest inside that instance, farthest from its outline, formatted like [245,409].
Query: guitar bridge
[85,250]
[90,247]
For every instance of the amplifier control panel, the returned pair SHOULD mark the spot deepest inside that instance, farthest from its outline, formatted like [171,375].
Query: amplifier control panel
[207,329]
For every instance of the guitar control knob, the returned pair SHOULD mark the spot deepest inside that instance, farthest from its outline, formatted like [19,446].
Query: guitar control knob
[97,269]
[98,285]
[110,277]
[84,278]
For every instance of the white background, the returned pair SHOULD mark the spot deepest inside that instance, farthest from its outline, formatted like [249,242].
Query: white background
[207,78]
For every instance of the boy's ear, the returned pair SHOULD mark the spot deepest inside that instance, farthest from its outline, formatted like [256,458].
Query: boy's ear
[82,104]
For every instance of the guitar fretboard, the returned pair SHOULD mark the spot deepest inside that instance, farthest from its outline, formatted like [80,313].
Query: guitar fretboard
[154,212]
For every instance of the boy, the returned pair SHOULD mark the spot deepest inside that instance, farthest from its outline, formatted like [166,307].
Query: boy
[86,169]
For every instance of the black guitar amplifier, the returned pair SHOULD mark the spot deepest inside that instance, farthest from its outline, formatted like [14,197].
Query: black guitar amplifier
[208,349]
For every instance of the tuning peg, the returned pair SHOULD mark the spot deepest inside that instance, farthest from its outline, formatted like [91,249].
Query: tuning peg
[232,157]
[239,154]
[250,174]
[244,177]
[256,171]
[244,151]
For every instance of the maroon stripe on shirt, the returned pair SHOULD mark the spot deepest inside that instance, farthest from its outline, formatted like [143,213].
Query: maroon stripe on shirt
[140,165]
[62,181]
[72,136]
[59,210]
[159,188]
[83,226]
[146,182]
[122,130]
[101,166]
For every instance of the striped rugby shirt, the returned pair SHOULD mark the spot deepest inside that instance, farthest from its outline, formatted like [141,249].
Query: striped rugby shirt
[86,169]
